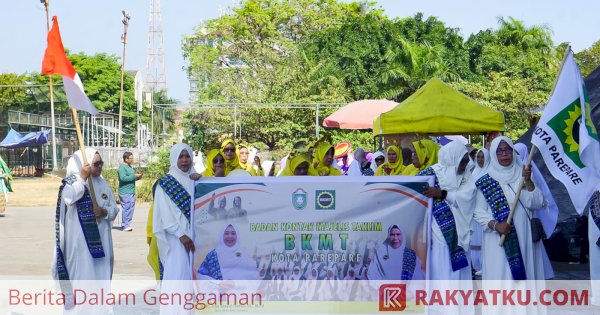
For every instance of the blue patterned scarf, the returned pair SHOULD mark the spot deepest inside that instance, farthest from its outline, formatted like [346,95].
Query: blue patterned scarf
[177,193]
[595,212]
[445,220]
[210,266]
[409,262]
[87,220]
[497,201]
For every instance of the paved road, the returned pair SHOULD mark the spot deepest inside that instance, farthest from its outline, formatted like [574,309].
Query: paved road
[27,244]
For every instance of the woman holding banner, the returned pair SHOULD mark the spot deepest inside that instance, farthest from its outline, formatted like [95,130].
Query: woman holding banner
[171,223]
[496,192]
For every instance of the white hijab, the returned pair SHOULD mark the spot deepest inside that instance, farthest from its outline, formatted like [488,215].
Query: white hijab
[375,156]
[480,171]
[504,174]
[549,214]
[446,168]
[234,261]
[182,177]
[75,163]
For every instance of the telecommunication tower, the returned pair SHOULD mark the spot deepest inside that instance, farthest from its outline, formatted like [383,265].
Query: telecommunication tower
[156,78]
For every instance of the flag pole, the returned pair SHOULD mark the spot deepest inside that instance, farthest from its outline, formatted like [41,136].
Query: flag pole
[126,18]
[513,206]
[54,160]
[533,147]
[82,149]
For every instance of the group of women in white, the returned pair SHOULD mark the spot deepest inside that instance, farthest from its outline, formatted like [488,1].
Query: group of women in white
[467,193]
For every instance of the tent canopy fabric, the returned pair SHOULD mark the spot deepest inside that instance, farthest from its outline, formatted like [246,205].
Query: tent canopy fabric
[437,108]
[15,139]
[358,115]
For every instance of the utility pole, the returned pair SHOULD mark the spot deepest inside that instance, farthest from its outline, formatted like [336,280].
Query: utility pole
[125,21]
[54,159]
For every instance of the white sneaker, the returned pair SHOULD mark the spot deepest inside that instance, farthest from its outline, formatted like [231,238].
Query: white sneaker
[128,229]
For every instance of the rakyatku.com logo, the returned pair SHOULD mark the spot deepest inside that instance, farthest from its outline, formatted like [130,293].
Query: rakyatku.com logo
[392,297]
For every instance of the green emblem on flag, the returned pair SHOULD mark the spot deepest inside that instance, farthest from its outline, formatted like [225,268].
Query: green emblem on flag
[566,126]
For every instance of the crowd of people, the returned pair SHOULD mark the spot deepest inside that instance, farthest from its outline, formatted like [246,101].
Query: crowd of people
[472,195]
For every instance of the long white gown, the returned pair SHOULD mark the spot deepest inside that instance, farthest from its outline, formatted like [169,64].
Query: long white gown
[78,260]
[168,225]
[495,264]
[440,267]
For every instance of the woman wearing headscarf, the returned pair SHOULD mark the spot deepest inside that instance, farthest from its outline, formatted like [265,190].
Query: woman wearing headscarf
[496,190]
[215,164]
[425,154]
[84,247]
[548,214]
[254,168]
[172,215]
[393,165]
[228,260]
[298,164]
[323,160]
[393,260]
[228,149]
[451,222]
[378,159]
[171,224]
[5,185]
[482,162]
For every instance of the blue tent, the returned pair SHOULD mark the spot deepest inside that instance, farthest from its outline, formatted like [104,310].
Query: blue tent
[15,139]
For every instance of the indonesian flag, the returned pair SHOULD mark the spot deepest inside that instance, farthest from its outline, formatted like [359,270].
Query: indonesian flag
[56,62]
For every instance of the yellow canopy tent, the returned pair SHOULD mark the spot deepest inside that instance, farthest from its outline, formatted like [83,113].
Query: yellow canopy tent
[436,108]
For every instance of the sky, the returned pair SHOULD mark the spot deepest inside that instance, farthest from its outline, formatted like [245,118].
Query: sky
[95,26]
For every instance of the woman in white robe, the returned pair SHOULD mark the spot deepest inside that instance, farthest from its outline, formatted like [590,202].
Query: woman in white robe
[450,172]
[495,264]
[78,260]
[482,162]
[548,214]
[507,170]
[171,227]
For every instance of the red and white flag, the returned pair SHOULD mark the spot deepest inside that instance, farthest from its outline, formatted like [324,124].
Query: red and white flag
[56,62]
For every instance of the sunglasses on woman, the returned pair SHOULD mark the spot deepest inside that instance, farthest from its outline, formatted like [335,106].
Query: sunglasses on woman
[98,164]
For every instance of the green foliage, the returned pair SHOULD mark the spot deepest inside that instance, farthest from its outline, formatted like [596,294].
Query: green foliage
[589,59]
[511,95]
[308,51]
[155,170]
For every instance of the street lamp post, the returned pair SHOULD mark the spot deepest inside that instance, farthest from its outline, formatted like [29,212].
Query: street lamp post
[125,21]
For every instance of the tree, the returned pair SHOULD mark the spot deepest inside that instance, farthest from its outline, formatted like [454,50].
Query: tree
[251,56]
[589,59]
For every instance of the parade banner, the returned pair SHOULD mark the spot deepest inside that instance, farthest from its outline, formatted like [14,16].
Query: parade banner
[319,228]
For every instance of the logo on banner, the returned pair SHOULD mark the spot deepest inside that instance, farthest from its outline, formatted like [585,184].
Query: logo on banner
[299,199]
[325,200]
[392,297]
